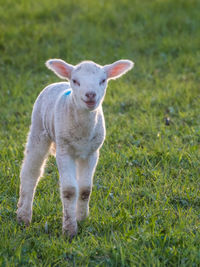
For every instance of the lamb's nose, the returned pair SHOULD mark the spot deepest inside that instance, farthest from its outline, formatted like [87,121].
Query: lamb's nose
[90,95]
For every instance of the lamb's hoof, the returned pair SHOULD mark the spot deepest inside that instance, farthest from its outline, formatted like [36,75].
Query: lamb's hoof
[69,235]
[70,231]
[81,216]
[23,217]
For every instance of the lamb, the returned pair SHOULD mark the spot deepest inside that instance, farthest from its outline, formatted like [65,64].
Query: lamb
[68,121]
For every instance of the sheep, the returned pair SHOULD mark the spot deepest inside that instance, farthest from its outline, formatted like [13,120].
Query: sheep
[68,122]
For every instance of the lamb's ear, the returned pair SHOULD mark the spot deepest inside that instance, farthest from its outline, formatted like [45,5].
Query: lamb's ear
[118,68]
[60,67]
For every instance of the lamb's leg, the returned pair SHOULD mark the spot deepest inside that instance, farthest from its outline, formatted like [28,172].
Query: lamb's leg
[85,169]
[32,169]
[68,191]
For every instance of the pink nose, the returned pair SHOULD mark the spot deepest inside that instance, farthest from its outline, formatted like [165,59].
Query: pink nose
[90,95]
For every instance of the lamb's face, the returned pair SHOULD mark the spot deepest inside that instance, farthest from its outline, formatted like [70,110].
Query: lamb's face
[88,81]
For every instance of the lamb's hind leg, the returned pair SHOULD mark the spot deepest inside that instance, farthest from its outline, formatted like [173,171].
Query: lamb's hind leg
[32,169]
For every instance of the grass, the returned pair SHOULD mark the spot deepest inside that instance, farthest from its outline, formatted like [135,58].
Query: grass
[145,204]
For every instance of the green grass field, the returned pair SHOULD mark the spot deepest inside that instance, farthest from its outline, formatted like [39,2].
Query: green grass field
[145,205]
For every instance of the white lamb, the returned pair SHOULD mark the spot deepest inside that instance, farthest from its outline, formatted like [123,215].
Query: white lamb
[68,121]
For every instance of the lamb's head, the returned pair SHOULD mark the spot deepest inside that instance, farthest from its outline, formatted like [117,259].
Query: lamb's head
[89,80]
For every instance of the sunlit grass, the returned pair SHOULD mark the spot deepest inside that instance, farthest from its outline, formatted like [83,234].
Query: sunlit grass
[145,205]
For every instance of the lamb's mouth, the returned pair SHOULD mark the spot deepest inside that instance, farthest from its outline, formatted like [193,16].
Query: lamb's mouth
[90,103]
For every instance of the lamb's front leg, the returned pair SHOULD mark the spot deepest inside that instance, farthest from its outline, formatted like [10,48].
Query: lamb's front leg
[68,191]
[85,172]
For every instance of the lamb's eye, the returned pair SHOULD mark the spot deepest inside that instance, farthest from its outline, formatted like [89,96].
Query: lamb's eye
[102,81]
[76,82]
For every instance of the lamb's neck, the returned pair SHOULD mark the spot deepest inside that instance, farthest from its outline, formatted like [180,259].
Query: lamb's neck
[85,118]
